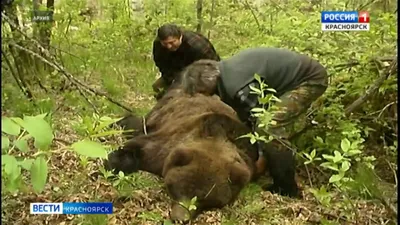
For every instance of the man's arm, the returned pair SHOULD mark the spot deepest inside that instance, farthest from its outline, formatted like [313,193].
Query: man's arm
[160,62]
[157,58]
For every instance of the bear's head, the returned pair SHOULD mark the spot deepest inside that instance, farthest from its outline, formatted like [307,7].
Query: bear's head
[212,170]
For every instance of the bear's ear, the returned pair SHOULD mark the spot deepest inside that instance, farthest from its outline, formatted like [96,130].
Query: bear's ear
[239,174]
[179,157]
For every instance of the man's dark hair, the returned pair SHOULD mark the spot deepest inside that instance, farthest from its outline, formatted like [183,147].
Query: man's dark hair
[168,30]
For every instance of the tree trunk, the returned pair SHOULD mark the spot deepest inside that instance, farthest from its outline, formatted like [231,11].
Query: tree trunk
[22,61]
[211,18]
[199,15]
[44,34]
[45,31]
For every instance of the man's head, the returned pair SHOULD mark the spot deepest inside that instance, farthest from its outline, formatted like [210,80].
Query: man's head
[201,77]
[170,36]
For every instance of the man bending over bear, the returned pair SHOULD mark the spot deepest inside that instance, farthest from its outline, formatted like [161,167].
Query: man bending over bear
[174,49]
[298,80]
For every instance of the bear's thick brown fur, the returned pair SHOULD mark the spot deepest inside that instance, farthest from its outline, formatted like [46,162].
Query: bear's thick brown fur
[192,142]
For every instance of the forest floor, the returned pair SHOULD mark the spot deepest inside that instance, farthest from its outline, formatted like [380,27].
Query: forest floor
[144,201]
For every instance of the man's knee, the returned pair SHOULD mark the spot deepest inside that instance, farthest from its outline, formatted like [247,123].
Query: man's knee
[288,128]
[316,91]
[290,116]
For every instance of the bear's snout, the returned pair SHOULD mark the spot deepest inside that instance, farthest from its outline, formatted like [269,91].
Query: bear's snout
[121,160]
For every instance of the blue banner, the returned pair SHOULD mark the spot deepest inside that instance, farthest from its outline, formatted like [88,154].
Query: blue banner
[339,17]
[87,208]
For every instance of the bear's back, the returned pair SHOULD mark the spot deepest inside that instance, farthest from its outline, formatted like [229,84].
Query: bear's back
[184,109]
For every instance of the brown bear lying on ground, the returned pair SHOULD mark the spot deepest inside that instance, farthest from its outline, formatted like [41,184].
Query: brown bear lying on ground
[191,141]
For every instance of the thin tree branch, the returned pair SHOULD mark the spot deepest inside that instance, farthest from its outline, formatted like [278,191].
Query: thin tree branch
[384,108]
[309,176]
[246,3]
[88,100]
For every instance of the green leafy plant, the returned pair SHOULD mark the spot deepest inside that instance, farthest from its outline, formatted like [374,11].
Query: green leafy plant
[16,134]
[340,161]
[322,195]
[96,126]
[339,158]
[311,158]
[92,128]
[264,112]
[191,205]
[90,149]
[121,179]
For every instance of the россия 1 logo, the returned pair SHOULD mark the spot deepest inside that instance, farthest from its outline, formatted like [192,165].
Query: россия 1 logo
[345,21]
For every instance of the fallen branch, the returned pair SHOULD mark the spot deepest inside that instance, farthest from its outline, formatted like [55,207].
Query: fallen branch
[380,60]
[393,170]
[88,100]
[384,108]
[338,217]
[383,76]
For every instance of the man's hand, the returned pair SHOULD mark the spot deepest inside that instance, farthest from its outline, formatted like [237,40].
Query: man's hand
[261,165]
[159,85]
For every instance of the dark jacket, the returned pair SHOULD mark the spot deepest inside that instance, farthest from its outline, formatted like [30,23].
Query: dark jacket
[194,47]
[281,69]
